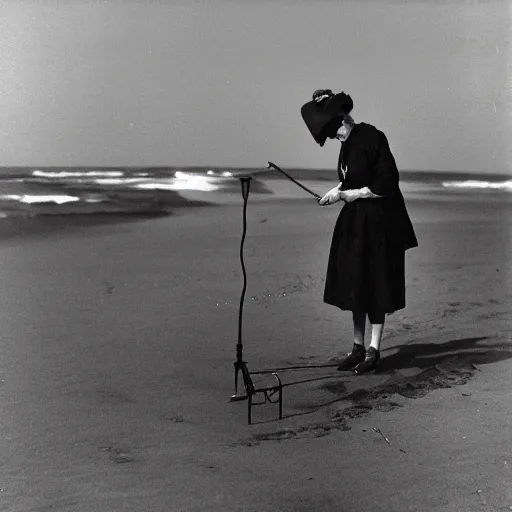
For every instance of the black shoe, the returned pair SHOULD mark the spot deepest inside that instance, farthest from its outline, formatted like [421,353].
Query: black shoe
[354,358]
[370,362]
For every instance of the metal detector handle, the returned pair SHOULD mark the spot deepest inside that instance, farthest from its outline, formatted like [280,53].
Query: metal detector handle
[246,185]
[271,165]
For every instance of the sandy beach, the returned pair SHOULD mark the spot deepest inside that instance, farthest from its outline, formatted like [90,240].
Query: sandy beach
[117,343]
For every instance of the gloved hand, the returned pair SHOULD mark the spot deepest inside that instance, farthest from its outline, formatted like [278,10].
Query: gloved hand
[333,196]
[352,195]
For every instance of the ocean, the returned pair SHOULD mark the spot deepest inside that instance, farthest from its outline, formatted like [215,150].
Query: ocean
[37,191]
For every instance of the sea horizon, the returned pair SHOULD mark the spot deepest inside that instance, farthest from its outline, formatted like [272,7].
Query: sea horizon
[405,173]
[50,190]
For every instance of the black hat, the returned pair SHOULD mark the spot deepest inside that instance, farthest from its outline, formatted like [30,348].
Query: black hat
[324,114]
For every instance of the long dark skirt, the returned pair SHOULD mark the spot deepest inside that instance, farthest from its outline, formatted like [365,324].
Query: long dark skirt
[366,268]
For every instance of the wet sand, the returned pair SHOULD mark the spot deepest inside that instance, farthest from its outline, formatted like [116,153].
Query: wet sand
[117,343]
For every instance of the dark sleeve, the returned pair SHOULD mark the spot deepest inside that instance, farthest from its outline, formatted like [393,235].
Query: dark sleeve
[385,176]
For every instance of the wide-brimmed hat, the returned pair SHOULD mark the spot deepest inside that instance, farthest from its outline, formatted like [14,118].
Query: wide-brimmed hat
[323,115]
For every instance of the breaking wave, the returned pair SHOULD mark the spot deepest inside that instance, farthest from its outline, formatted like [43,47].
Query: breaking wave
[64,191]
[479,184]
[76,174]
[158,190]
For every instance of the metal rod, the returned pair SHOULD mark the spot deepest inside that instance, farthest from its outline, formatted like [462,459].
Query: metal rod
[246,181]
[299,367]
[277,168]
[280,395]
[239,363]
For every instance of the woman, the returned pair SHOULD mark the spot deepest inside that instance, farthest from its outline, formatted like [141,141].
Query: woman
[365,272]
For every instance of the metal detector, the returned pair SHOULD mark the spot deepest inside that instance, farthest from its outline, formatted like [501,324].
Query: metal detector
[240,365]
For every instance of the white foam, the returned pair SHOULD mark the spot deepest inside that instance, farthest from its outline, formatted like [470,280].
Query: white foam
[29,199]
[75,174]
[183,181]
[117,181]
[183,175]
[479,184]
[190,184]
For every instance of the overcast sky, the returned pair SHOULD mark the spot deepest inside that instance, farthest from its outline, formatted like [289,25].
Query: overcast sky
[221,82]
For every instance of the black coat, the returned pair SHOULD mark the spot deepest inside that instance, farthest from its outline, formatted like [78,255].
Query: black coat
[366,261]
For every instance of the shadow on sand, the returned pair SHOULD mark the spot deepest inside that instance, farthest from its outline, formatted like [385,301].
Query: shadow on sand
[478,350]
[412,371]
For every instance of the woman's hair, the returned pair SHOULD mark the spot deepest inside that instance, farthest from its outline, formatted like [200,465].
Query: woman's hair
[322,94]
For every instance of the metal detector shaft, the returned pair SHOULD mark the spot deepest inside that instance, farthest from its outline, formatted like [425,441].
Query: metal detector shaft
[277,168]
[240,364]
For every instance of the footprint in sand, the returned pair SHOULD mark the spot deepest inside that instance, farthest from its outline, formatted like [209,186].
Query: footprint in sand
[307,432]
[175,419]
[354,411]
[489,316]
[449,311]
[383,405]
[117,455]
[453,371]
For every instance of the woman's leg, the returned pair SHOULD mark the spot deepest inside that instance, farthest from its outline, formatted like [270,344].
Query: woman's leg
[377,321]
[358,351]
[359,319]
[372,357]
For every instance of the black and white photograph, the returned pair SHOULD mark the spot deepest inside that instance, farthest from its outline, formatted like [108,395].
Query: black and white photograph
[255,255]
